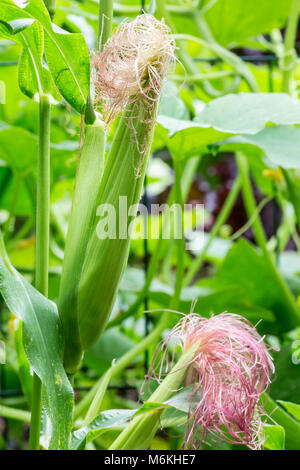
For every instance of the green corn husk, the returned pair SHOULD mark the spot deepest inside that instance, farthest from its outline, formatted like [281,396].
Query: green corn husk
[89,173]
[140,432]
[93,267]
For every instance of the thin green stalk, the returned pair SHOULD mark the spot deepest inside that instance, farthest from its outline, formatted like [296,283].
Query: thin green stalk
[180,242]
[14,413]
[104,33]
[105,21]
[291,317]
[42,249]
[226,55]
[289,48]
[195,266]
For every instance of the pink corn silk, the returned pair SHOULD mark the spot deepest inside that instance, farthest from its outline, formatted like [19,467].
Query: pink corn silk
[132,65]
[229,372]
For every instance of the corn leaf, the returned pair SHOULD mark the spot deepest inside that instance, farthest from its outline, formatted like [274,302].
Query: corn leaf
[106,420]
[43,346]
[33,76]
[67,54]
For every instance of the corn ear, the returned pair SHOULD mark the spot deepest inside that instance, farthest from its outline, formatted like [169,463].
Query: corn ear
[89,173]
[93,267]
[106,259]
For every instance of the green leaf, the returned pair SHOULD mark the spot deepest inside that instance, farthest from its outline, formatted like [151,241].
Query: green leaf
[43,346]
[68,59]
[236,20]
[244,113]
[19,148]
[292,408]
[274,437]
[106,420]
[280,144]
[34,78]
[249,113]
[67,54]
[185,138]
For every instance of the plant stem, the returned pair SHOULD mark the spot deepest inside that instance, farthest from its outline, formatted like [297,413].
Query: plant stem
[228,56]
[14,413]
[290,318]
[180,242]
[42,249]
[221,219]
[105,21]
[289,48]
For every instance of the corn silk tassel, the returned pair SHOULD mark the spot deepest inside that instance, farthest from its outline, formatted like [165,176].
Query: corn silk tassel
[227,366]
[128,78]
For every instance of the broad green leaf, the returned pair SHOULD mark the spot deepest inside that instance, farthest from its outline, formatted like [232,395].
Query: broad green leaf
[185,138]
[244,113]
[280,144]
[292,408]
[233,21]
[274,437]
[68,59]
[106,420]
[67,54]
[19,148]
[249,113]
[31,74]
[43,346]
